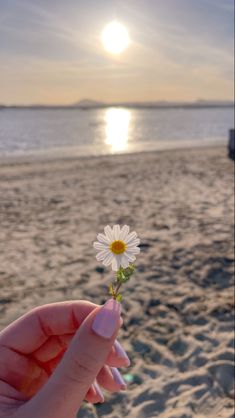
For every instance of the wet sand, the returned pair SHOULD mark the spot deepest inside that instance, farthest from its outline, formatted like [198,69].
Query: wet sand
[178,323]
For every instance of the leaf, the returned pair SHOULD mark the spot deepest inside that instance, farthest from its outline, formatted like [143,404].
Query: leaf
[119,297]
[111,289]
[123,275]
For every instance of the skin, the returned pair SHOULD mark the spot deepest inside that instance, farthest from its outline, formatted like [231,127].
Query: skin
[49,360]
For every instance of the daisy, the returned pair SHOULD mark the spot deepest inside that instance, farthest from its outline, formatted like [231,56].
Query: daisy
[117,246]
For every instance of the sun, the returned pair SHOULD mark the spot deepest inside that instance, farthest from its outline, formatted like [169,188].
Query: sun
[115,38]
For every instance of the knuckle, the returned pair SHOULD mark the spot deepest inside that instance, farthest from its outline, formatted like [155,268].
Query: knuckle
[82,367]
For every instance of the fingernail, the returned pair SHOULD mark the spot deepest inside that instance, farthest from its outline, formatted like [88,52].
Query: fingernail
[118,377]
[92,390]
[107,319]
[121,352]
[98,391]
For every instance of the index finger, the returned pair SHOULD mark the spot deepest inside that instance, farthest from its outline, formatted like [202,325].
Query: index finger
[30,331]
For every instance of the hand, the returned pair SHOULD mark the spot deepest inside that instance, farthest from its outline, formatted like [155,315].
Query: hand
[57,355]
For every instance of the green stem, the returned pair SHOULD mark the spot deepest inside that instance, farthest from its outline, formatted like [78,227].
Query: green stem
[116,290]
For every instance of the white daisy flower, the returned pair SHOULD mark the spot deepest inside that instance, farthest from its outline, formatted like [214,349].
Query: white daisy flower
[117,246]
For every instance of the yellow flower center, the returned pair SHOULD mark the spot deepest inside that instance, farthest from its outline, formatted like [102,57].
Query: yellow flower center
[117,247]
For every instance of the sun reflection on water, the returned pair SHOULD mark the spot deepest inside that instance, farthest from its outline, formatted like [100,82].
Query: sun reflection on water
[117,128]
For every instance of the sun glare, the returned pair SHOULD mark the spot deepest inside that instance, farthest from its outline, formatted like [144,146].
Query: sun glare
[117,128]
[115,38]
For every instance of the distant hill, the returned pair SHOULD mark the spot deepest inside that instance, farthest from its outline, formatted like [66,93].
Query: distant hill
[86,104]
[204,102]
[89,104]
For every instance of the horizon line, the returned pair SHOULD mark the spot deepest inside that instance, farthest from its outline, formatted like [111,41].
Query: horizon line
[90,103]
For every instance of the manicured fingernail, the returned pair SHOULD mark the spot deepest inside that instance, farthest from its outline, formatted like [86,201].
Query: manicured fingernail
[107,319]
[92,390]
[98,391]
[118,377]
[121,353]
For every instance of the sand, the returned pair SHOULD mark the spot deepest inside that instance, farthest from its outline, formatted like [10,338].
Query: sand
[177,310]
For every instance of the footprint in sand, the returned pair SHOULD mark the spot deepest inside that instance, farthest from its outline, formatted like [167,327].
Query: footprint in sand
[223,373]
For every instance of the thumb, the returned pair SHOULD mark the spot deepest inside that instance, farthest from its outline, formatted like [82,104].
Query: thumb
[64,392]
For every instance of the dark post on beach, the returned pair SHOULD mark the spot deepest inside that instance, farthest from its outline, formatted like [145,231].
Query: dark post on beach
[231,145]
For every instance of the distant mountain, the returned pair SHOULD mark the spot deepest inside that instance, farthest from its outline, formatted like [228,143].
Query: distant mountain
[204,102]
[87,103]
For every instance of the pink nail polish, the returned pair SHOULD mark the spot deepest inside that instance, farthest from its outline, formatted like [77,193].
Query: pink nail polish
[121,353]
[107,319]
[118,377]
[98,391]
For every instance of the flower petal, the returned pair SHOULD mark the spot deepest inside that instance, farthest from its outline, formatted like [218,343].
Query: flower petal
[109,233]
[131,237]
[133,250]
[124,261]
[108,259]
[124,232]
[130,257]
[116,263]
[103,239]
[101,255]
[98,246]
[133,243]
[116,232]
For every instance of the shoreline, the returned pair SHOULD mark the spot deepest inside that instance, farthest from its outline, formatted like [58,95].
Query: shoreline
[70,153]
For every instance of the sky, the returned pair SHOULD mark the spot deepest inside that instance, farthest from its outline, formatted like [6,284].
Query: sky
[51,51]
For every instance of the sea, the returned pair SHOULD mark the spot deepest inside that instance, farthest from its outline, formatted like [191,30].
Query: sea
[111,130]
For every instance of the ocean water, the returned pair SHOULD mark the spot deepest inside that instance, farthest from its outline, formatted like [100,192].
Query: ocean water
[109,131]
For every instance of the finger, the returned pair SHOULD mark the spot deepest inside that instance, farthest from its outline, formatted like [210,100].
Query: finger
[51,353]
[94,394]
[86,355]
[117,356]
[52,347]
[21,372]
[57,344]
[26,376]
[91,395]
[111,379]
[10,393]
[32,330]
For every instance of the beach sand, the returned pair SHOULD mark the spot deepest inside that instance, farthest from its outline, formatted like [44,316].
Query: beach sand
[177,310]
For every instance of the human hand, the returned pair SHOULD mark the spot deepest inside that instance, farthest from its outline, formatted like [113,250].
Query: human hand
[57,355]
